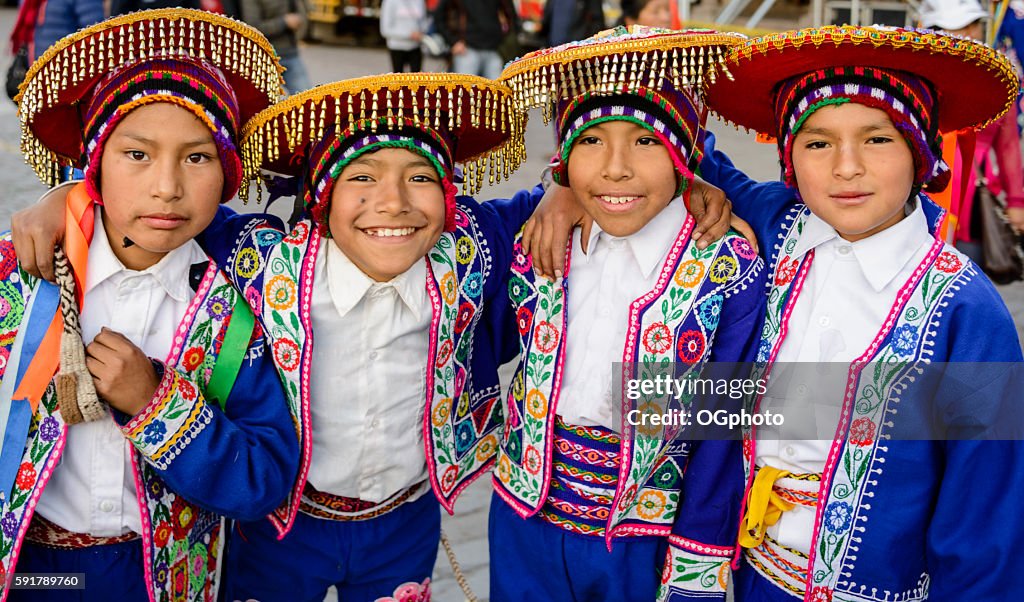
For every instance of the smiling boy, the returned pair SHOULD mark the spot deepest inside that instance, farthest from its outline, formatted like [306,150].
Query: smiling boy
[190,424]
[601,497]
[860,277]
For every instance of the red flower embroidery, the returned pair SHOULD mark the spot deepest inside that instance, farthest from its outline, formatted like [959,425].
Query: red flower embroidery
[161,534]
[948,262]
[445,353]
[8,260]
[286,353]
[524,317]
[691,346]
[821,594]
[187,390]
[448,479]
[532,460]
[627,497]
[298,235]
[193,357]
[466,312]
[657,338]
[862,432]
[785,272]
[183,516]
[26,476]
[545,337]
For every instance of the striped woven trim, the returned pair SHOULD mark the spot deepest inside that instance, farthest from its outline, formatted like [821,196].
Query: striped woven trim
[584,476]
[783,566]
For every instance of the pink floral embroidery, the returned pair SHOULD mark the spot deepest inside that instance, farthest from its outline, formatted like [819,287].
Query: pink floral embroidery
[409,592]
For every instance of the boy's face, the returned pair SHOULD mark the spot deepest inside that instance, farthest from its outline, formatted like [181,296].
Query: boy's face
[161,182]
[387,211]
[853,168]
[621,175]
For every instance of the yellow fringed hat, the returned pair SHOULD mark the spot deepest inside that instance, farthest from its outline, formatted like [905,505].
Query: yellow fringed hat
[74,70]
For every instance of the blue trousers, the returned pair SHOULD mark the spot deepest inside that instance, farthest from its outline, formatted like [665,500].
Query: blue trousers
[750,586]
[113,572]
[365,559]
[532,560]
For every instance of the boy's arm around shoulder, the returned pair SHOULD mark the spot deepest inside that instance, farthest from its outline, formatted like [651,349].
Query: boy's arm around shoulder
[703,537]
[240,461]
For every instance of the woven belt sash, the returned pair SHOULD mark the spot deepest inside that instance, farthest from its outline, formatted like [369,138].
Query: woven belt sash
[45,533]
[336,507]
[585,471]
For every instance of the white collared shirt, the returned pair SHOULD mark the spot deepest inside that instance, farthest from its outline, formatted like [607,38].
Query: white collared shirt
[849,290]
[93,489]
[368,378]
[603,282]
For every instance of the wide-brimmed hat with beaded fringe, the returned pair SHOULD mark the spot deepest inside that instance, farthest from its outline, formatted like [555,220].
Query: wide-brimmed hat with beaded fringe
[927,81]
[642,74]
[222,69]
[447,117]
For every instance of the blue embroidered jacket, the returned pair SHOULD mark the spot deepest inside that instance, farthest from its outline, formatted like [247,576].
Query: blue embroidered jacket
[465,274]
[901,520]
[706,306]
[194,462]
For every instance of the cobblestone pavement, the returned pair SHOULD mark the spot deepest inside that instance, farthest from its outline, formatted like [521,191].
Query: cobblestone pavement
[468,528]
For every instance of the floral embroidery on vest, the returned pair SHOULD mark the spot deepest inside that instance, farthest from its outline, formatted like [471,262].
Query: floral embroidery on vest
[459,423]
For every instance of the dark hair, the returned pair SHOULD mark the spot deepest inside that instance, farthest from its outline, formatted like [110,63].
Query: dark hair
[632,8]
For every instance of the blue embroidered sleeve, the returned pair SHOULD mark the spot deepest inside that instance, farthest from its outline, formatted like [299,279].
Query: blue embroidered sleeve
[240,462]
[219,238]
[500,221]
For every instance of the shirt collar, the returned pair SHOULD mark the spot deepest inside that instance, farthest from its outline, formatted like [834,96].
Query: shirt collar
[171,272]
[348,284]
[649,244]
[880,256]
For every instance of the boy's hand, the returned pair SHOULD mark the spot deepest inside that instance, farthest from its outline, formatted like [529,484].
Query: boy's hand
[546,234]
[713,213]
[37,229]
[123,374]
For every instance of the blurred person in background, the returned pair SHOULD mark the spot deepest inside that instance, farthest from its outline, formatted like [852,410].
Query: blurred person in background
[651,13]
[1003,167]
[569,20]
[402,24]
[281,21]
[58,18]
[475,30]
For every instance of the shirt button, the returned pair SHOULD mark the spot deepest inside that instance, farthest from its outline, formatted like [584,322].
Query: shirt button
[375,423]
[373,355]
[825,321]
[801,390]
[790,451]
[844,250]
[107,506]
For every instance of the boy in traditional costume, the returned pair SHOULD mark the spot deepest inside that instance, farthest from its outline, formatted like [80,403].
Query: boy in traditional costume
[859,275]
[388,274]
[570,479]
[133,495]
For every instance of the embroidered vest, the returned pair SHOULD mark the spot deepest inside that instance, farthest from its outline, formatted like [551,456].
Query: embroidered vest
[181,541]
[276,274]
[674,322]
[858,451]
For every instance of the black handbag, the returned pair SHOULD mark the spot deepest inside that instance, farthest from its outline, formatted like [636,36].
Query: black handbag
[16,72]
[1002,258]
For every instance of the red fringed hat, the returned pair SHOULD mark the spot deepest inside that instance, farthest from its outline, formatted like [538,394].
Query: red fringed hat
[204,58]
[974,85]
